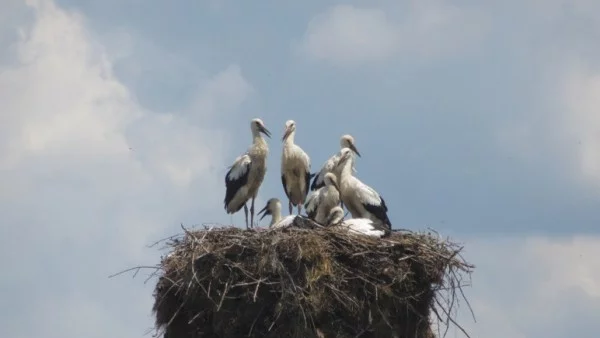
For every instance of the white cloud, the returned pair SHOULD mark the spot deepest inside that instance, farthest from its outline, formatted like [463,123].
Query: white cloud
[347,35]
[534,287]
[563,126]
[581,102]
[90,177]
[560,125]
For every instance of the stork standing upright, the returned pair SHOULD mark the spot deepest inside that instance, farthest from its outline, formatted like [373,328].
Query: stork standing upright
[273,208]
[295,168]
[361,200]
[319,202]
[346,141]
[363,226]
[247,173]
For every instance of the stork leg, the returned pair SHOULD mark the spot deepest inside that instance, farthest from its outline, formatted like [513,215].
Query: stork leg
[290,205]
[299,208]
[246,213]
[252,213]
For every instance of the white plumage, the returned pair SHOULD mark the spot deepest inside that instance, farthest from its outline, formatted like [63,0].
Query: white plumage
[346,141]
[362,226]
[319,202]
[247,173]
[273,208]
[361,200]
[295,169]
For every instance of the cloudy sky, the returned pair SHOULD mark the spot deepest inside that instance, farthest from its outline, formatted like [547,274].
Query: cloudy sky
[118,120]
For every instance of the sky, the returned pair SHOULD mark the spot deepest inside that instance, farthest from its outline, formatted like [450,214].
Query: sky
[118,120]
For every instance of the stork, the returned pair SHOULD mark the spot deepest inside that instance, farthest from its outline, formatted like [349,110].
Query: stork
[247,173]
[346,141]
[273,208]
[361,200]
[363,226]
[321,201]
[295,169]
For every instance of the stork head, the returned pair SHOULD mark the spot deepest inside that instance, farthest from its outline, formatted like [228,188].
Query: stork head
[331,180]
[336,215]
[347,141]
[345,156]
[272,205]
[258,126]
[290,127]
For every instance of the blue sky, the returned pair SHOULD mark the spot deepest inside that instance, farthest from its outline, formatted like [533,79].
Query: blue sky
[119,119]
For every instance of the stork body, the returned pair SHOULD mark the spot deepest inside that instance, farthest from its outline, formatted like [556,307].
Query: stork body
[295,169]
[247,173]
[346,141]
[363,226]
[361,200]
[320,202]
[273,208]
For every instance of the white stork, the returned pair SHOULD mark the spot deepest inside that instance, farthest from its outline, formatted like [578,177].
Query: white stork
[247,173]
[295,169]
[363,226]
[346,141]
[319,202]
[361,200]
[273,208]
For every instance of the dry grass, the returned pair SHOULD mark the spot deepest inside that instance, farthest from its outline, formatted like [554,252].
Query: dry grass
[300,282]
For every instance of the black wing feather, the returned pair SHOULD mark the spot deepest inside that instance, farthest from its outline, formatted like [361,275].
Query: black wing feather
[314,185]
[284,186]
[307,177]
[380,211]
[233,186]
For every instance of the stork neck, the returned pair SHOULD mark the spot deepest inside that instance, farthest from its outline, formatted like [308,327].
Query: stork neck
[336,219]
[347,168]
[275,215]
[290,139]
[257,138]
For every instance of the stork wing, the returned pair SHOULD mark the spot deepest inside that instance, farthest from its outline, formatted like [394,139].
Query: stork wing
[285,222]
[312,203]
[237,176]
[372,201]
[318,182]
[306,159]
[363,226]
[307,174]
[366,194]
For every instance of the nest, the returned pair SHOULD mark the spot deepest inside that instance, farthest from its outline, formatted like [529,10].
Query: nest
[299,282]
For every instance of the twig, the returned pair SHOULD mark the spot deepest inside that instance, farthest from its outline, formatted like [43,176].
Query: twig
[137,268]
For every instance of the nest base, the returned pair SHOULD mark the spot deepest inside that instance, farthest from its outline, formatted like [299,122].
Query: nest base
[293,282]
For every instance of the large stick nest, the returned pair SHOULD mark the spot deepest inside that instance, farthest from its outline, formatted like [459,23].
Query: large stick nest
[298,282]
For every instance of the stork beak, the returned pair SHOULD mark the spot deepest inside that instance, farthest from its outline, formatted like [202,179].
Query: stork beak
[353,148]
[265,131]
[265,211]
[287,133]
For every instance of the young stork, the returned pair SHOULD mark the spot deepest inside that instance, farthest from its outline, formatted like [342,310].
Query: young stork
[346,141]
[273,208]
[361,200]
[247,173]
[364,226]
[295,169]
[319,202]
